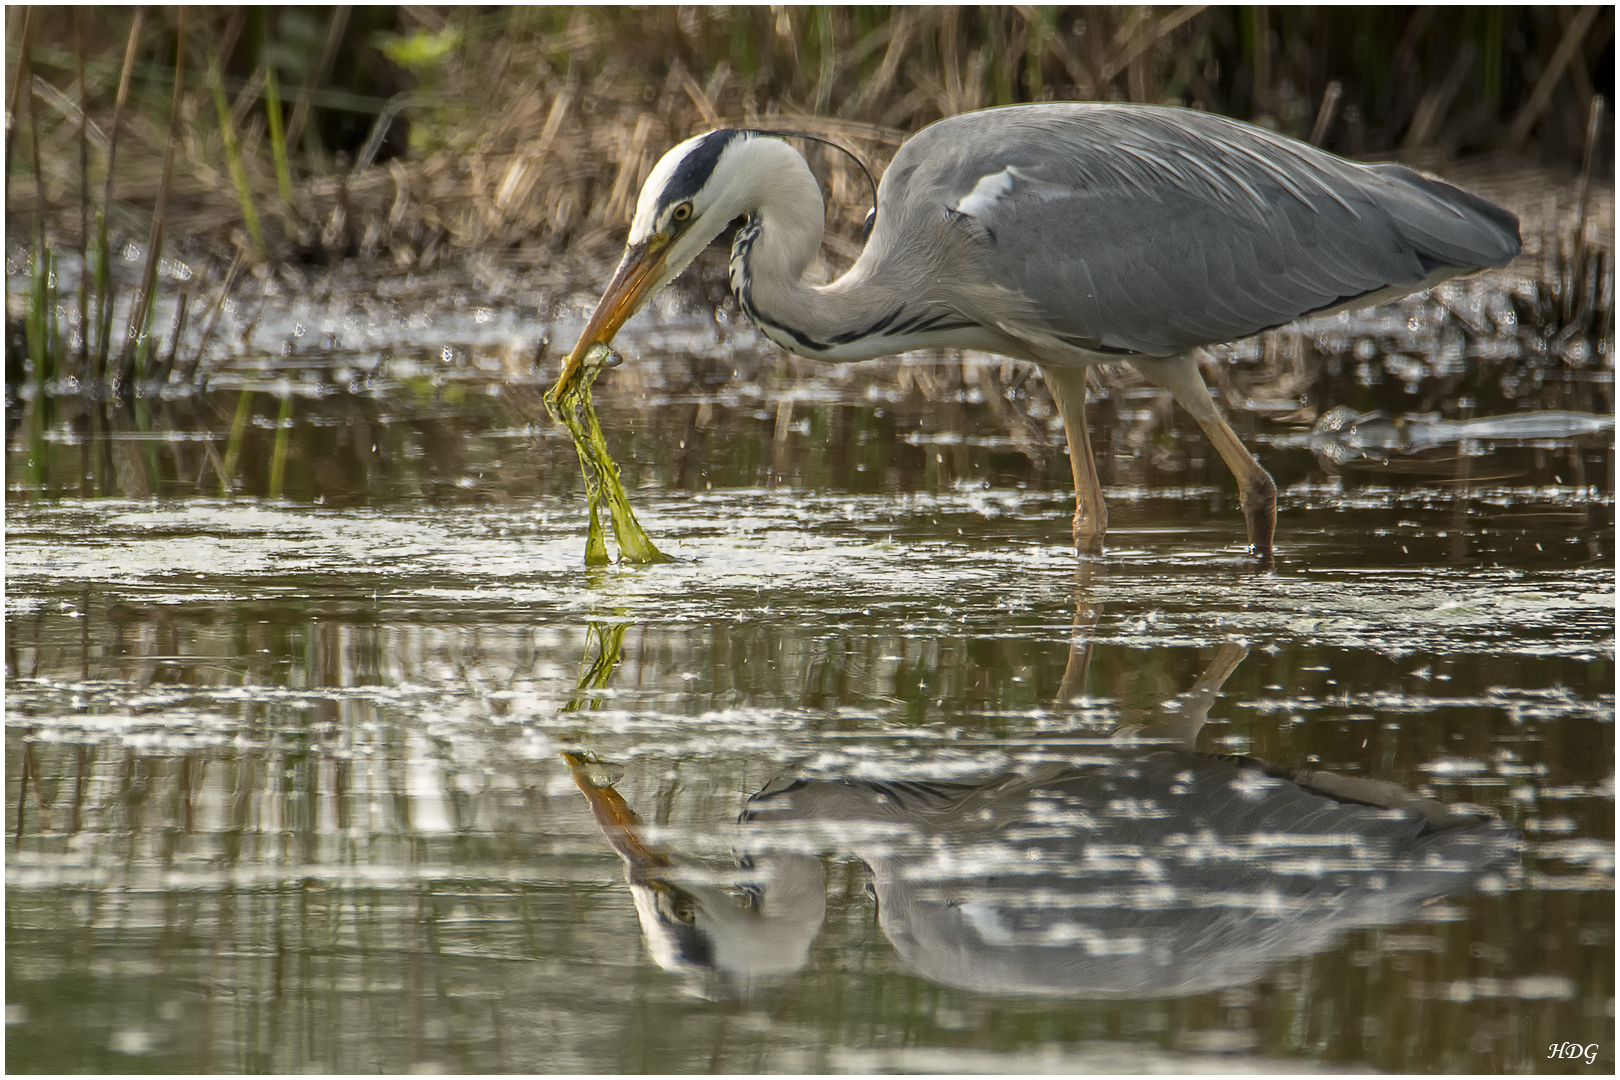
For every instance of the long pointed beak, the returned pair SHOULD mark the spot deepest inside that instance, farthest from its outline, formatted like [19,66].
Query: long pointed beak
[619,823]
[639,271]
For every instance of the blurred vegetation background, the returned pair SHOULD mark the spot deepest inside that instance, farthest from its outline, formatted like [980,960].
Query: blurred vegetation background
[257,136]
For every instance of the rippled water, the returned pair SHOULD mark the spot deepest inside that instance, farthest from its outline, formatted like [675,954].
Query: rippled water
[875,776]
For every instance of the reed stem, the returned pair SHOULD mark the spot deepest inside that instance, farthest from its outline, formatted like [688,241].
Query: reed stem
[233,161]
[278,139]
[278,456]
[233,446]
[298,126]
[181,307]
[213,319]
[103,280]
[82,367]
[23,77]
[40,314]
[139,325]
[143,345]
[1576,299]
[41,317]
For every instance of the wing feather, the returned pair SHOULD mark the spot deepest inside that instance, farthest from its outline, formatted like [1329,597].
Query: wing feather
[1155,230]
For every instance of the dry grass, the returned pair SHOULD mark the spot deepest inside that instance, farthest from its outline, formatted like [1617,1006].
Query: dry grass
[533,131]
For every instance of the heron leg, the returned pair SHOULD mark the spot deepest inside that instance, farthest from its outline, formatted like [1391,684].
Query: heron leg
[1257,492]
[1190,712]
[1068,386]
[1087,612]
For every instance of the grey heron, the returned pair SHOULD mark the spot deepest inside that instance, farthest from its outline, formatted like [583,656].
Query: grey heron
[1063,234]
[1147,874]
[1148,869]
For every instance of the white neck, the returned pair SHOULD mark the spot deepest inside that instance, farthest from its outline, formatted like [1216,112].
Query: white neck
[775,247]
[890,301]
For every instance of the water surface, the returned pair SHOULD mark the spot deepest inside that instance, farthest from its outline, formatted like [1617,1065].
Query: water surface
[328,754]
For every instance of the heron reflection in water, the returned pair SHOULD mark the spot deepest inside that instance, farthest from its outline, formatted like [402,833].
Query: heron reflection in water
[1151,870]
[1064,234]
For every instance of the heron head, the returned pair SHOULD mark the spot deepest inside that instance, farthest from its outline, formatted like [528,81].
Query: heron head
[730,940]
[692,194]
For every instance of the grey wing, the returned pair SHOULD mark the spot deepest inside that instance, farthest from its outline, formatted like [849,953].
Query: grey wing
[1148,230]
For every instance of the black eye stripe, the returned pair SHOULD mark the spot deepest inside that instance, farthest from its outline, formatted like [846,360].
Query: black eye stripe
[695,169]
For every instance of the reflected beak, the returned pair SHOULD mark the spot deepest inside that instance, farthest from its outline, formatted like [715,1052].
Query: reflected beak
[639,272]
[619,823]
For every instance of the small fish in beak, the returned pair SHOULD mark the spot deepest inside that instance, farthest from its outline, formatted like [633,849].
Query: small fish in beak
[638,274]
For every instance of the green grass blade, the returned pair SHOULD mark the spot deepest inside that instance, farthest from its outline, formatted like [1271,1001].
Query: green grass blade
[233,447]
[278,138]
[233,161]
[278,456]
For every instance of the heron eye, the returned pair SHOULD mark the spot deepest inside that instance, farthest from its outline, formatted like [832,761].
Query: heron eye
[681,212]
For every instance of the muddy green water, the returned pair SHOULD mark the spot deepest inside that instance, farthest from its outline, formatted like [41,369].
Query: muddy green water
[375,776]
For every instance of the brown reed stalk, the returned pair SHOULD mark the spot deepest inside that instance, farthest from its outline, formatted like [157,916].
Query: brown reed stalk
[1575,300]
[334,37]
[23,77]
[136,329]
[219,306]
[1324,115]
[1574,36]
[42,317]
[181,306]
[84,199]
[104,283]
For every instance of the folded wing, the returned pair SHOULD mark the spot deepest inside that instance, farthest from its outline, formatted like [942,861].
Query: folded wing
[1154,230]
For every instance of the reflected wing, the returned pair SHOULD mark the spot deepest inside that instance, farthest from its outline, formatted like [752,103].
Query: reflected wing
[1154,230]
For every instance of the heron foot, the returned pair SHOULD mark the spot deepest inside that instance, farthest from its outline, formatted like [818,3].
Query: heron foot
[1259,501]
[1088,533]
